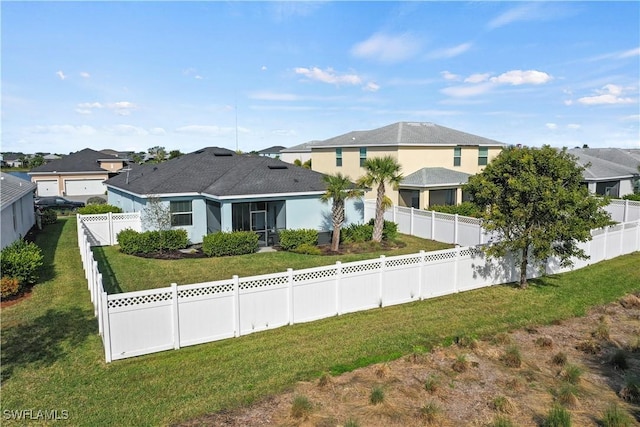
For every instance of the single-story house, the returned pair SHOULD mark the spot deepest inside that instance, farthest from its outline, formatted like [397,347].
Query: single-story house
[610,171]
[78,174]
[16,198]
[415,145]
[216,189]
[272,151]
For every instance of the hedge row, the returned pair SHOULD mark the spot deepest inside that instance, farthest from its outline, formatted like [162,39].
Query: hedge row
[230,243]
[133,242]
[94,209]
[291,239]
[358,233]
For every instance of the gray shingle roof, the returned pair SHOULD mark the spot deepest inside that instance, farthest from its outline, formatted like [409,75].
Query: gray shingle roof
[82,161]
[408,133]
[13,188]
[219,172]
[272,150]
[304,147]
[435,177]
[606,163]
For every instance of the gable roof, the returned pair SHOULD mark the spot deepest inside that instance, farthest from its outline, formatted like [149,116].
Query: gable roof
[272,150]
[13,188]
[219,172]
[435,177]
[606,163]
[86,160]
[301,148]
[408,133]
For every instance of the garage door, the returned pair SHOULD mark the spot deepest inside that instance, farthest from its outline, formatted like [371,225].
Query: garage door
[47,188]
[84,187]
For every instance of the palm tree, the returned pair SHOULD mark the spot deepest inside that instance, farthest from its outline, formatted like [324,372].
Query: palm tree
[380,170]
[339,189]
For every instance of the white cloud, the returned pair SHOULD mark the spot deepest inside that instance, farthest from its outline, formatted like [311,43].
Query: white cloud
[609,94]
[192,72]
[519,77]
[127,130]
[519,13]
[450,52]
[387,48]
[464,91]
[61,75]
[122,108]
[371,87]
[573,126]
[630,53]
[263,68]
[65,129]
[551,126]
[157,131]
[449,76]
[328,76]
[85,75]
[532,11]
[477,78]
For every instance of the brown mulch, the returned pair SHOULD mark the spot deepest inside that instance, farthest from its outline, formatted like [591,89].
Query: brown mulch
[486,388]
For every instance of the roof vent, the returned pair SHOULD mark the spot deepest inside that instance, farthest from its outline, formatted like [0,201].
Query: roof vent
[277,167]
[199,151]
[221,154]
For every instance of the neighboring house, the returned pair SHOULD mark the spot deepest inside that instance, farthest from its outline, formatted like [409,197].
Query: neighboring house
[13,160]
[273,152]
[300,152]
[610,171]
[51,157]
[215,189]
[77,174]
[16,198]
[416,146]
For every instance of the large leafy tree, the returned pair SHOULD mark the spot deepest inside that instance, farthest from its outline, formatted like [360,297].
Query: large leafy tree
[380,171]
[536,204]
[339,189]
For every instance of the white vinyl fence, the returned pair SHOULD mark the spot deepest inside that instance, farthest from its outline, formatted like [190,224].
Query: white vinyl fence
[102,229]
[137,323]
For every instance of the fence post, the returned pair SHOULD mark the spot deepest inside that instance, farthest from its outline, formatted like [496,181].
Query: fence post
[176,316]
[394,211]
[626,211]
[110,222]
[455,229]
[338,280]
[480,234]
[455,269]
[236,304]
[433,225]
[420,274]
[290,294]
[411,222]
[638,235]
[100,305]
[383,267]
[106,329]
[606,235]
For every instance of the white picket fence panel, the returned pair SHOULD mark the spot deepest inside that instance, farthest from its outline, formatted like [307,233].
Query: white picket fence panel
[143,322]
[102,229]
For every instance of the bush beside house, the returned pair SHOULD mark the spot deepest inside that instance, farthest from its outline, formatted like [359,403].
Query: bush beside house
[292,239]
[20,264]
[230,243]
[132,242]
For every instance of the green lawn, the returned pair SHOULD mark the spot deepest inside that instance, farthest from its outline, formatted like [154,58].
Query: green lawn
[126,273]
[52,357]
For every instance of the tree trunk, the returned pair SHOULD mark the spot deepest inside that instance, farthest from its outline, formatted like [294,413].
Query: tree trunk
[338,219]
[378,223]
[523,267]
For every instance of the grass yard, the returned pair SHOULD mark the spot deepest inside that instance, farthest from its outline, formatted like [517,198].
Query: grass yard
[52,356]
[126,273]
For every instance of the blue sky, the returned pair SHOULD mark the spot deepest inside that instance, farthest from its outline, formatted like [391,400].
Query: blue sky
[134,75]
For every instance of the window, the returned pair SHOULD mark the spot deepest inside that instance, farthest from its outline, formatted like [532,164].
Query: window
[338,156]
[483,156]
[457,156]
[363,155]
[181,213]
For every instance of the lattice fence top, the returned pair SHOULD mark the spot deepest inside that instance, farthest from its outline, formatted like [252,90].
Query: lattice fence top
[94,218]
[308,275]
[117,302]
[404,261]
[203,290]
[469,220]
[439,256]
[264,282]
[360,267]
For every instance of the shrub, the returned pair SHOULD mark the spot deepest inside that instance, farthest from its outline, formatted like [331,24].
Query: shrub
[501,404]
[464,209]
[432,384]
[99,209]
[96,200]
[301,407]
[356,233]
[571,374]
[22,260]
[291,239]
[601,332]
[49,216]
[10,286]
[129,241]
[307,249]
[632,197]
[376,396]
[615,417]
[174,239]
[566,394]
[557,417]
[230,243]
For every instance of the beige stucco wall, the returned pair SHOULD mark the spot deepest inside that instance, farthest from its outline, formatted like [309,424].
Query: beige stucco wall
[112,166]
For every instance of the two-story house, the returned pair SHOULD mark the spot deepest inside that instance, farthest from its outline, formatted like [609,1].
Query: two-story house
[436,161]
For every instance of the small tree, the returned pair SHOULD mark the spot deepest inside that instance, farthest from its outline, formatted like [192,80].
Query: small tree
[339,189]
[379,171]
[534,200]
[156,215]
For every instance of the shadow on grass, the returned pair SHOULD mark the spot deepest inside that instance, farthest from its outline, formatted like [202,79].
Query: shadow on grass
[109,280]
[44,340]
[47,239]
